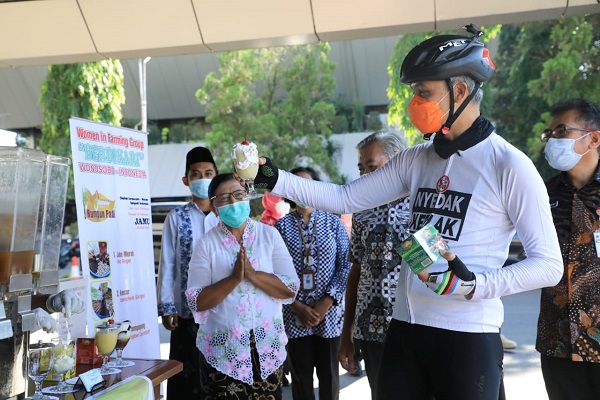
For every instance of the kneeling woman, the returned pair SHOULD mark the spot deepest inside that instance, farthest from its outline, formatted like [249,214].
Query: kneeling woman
[239,276]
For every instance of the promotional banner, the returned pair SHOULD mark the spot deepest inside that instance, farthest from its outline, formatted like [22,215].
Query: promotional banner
[112,193]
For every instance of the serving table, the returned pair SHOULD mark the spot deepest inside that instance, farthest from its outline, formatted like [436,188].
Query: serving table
[157,371]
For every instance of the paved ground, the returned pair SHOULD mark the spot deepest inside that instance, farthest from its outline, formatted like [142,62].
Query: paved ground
[523,377]
[522,372]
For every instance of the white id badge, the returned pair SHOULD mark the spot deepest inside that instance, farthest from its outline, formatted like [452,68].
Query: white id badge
[308,280]
[597,242]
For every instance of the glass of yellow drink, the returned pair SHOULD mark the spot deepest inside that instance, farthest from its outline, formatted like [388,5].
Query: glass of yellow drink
[106,341]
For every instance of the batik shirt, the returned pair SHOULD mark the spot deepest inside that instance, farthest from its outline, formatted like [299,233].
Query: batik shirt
[569,322]
[330,254]
[375,235]
[224,331]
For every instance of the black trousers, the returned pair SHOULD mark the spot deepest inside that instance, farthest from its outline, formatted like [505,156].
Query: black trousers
[357,353]
[567,380]
[310,352]
[423,363]
[372,353]
[186,384]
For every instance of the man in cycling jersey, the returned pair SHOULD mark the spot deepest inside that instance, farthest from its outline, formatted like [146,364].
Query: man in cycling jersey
[477,190]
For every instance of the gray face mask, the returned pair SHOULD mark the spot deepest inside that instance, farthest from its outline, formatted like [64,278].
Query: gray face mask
[561,154]
[302,205]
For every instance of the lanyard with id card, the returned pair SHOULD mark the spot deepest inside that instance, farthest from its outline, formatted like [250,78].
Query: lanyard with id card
[597,235]
[307,275]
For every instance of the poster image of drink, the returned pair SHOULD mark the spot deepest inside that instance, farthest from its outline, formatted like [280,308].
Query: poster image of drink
[98,207]
[102,299]
[98,259]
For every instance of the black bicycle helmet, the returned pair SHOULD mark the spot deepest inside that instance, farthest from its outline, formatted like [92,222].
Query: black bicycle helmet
[445,56]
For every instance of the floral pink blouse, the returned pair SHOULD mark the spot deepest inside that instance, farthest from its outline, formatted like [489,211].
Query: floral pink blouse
[224,331]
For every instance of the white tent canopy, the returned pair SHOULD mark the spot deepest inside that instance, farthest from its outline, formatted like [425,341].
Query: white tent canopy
[40,32]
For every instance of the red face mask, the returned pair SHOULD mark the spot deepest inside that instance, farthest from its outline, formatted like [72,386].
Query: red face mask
[425,115]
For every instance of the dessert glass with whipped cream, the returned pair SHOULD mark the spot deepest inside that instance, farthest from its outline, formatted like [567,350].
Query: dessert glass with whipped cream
[245,162]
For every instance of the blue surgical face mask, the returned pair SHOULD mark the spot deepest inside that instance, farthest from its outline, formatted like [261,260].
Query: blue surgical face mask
[561,154]
[199,188]
[235,214]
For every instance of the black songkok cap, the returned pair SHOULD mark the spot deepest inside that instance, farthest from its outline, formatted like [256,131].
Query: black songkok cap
[196,155]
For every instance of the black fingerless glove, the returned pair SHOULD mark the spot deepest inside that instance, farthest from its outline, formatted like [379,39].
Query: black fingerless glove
[267,175]
[461,270]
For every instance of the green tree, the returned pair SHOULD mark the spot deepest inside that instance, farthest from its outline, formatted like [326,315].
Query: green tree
[401,94]
[93,91]
[190,131]
[539,64]
[278,98]
[521,51]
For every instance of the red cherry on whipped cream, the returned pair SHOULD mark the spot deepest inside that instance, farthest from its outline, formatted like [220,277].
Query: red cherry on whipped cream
[245,143]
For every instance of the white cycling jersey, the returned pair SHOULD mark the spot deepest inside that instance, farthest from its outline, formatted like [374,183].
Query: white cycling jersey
[493,190]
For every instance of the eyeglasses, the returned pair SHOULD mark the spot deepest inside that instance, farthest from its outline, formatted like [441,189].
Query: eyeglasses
[238,195]
[560,132]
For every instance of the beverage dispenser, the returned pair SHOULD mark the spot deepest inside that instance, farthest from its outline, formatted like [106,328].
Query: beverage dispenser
[50,224]
[32,199]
